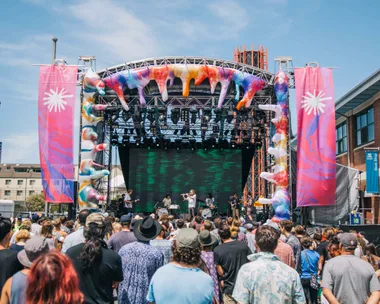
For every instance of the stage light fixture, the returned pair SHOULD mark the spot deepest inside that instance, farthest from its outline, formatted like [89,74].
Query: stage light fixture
[175,113]
[206,114]
[194,132]
[178,143]
[114,139]
[176,131]
[151,113]
[218,115]
[193,144]
[194,114]
[185,114]
[258,143]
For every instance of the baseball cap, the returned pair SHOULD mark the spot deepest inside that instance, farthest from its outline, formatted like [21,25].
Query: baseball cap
[272,224]
[348,240]
[126,218]
[96,218]
[187,238]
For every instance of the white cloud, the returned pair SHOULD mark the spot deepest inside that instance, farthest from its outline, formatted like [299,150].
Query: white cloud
[20,148]
[115,30]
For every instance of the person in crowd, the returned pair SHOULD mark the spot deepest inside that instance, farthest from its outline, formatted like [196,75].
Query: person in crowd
[109,228]
[371,257]
[17,224]
[162,244]
[9,263]
[21,238]
[299,232]
[286,228]
[362,235]
[123,237]
[267,279]
[63,220]
[229,257]
[140,261]
[47,233]
[309,269]
[179,224]
[172,222]
[76,237]
[116,227]
[215,232]
[250,218]
[317,239]
[236,223]
[198,223]
[283,250]
[207,242]
[250,236]
[52,279]
[230,221]
[14,290]
[348,279]
[36,227]
[181,281]
[333,247]
[71,226]
[99,269]
[189,219]
[327,234]
[26,225]
[58,233]
[207,225]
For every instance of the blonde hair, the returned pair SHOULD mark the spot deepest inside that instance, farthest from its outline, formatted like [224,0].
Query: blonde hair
[116,227]
[22,235]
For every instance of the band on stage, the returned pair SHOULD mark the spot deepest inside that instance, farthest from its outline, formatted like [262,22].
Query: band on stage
[207,207]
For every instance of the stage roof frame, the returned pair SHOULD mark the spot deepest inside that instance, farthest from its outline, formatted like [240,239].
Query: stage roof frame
[159,61]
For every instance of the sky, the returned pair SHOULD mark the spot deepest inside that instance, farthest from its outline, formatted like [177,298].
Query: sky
[340,33]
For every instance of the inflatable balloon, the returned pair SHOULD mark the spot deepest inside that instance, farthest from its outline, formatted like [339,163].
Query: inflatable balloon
[280,175]
[88,196]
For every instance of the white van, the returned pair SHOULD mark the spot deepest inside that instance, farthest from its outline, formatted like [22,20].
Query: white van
[7,208]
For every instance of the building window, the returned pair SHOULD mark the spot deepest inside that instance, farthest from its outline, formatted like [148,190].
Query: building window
[32,182]
[31,192]
[8,168]
[341,138]
[8,181]
[20,182]
[19,192]
[7,192]
[365,128]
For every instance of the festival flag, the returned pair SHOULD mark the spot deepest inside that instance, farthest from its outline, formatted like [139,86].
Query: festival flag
[316,150]
[56,103]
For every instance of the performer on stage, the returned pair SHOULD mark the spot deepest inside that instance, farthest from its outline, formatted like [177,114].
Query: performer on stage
[167,200]
[191,198]
[210,201]
[127,199]
[235,205]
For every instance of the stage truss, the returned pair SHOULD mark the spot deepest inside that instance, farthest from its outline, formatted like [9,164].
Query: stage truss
[230,129]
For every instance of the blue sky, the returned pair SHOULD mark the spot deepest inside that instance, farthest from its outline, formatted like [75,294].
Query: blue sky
[337,33]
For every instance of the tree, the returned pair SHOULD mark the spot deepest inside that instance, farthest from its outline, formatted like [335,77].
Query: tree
[36,202]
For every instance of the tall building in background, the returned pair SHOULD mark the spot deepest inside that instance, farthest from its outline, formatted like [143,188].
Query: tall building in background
[257,58]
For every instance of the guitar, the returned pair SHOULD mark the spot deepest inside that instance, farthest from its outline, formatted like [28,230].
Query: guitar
[129,204]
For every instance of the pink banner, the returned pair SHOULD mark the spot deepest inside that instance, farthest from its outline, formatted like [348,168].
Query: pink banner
[56,103]
[316,151]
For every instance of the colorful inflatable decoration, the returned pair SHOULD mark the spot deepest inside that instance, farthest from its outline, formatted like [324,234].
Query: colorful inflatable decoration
[280,200]
[139,78]
[88,196]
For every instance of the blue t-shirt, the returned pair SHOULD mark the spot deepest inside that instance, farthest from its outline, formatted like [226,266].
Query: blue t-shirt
[309,266]
[175,284]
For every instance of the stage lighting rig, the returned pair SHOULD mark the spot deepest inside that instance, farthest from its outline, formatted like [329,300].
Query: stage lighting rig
[194,115]
[185,114]
[218,115]
[206,114]
[151,115]
[114,139]
[175,113]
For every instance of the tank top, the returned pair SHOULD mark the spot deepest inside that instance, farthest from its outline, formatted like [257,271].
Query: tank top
[18,288]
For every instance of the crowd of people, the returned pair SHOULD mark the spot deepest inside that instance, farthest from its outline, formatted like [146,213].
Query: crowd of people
[139,260]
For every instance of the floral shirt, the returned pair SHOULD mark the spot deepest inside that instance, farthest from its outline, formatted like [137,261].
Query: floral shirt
[140,261]
[268,280]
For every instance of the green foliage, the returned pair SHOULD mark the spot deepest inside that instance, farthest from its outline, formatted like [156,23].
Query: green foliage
[36,202]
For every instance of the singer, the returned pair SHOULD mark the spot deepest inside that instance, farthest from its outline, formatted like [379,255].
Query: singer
[191,198]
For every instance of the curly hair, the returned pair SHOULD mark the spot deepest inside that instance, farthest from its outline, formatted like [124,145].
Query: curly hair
[188,256]
[92,250]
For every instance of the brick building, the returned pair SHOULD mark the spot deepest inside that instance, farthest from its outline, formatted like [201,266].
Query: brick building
[357,129]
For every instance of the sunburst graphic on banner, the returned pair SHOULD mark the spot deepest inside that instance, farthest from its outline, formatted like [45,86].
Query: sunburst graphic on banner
[55,99]
[314,103]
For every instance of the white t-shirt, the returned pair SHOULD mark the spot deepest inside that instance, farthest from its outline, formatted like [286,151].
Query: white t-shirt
[127,198]
[192,200]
